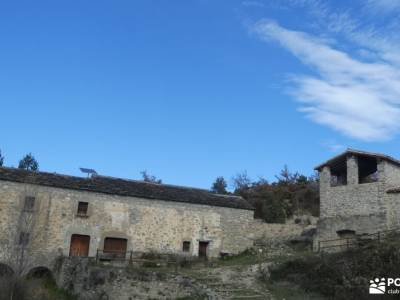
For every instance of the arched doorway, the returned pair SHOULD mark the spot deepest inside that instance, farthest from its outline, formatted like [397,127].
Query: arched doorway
[5,270]
[40,272]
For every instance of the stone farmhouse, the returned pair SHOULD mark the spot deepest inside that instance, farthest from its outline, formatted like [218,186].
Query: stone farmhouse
[359,195]
[75,216]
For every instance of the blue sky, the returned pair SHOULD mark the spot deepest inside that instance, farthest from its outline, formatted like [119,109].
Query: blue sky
[192,90]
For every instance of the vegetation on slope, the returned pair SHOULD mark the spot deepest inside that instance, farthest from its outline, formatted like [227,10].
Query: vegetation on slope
[277,201]
[343,275]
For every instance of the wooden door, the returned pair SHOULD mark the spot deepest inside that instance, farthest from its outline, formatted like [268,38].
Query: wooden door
[203,249]
[115,246]
[79,245]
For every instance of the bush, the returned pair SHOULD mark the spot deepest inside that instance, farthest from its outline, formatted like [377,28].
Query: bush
[274,212]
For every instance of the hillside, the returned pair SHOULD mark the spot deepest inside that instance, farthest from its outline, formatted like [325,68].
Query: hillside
[343,275]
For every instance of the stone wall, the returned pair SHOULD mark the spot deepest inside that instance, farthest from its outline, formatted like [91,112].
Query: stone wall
[363,208]
[88,281]
[148,225]
[391,175]
[393,210]
[266,232]
[352,198]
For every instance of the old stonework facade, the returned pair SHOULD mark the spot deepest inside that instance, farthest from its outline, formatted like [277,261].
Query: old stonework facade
[74,216]
[359,195]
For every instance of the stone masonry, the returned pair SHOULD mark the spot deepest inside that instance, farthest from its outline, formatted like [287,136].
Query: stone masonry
[358,195]
[147,224]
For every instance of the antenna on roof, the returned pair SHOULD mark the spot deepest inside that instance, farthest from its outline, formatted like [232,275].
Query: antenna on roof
[89,172]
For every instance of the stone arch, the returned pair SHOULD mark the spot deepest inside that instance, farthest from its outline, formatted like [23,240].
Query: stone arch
[40,272]
[5,270]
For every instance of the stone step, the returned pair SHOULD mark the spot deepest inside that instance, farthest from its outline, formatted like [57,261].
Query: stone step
[247,293]
[222,284]
[240,293]
[243,290]
[206,279]
[254,297]
[218,284]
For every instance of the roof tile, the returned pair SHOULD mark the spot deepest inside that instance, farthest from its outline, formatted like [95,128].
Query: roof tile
[124,187]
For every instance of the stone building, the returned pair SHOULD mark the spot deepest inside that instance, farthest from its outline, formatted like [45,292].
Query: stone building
[359,195]
[75,216]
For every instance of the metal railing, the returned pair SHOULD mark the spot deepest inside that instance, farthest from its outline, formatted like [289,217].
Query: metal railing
[356,241]
[133,257]
[113,255]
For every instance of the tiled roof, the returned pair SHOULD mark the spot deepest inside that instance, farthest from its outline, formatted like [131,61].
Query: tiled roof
[124,187]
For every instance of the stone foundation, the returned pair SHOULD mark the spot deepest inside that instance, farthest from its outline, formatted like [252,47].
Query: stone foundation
[88,281]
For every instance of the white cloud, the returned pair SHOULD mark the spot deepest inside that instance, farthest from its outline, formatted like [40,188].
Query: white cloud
[356,25]
[356,98]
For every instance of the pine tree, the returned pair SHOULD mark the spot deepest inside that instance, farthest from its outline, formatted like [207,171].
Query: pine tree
[219,186]
[29,163]
[1,159]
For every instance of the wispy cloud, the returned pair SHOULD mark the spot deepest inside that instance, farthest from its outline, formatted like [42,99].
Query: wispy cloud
[359,99]
[356,24]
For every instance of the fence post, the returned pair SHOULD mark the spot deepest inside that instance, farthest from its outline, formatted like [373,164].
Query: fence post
[319,246]
[97,255]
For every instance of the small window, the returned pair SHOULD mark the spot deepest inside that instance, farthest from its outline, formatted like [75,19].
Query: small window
[186,246]
[29,203]
[24,238]
[82,209]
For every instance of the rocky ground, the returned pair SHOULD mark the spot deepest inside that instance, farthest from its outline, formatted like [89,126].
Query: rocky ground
[231,282]
[245,276]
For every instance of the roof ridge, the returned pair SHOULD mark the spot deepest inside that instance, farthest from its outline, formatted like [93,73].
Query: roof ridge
[149,182]
[166,184]
[124,187]
[360,152]
[113,177]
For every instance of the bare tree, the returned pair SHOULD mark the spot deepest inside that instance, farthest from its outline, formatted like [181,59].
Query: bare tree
[150,178]
[241,181]
[15,253]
